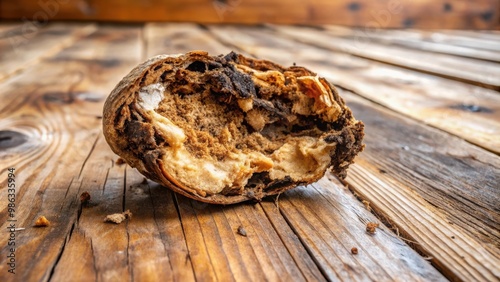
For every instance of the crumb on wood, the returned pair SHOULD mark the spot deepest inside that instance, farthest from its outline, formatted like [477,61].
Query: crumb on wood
[118,217]
[85,197]
[371,227]
[354,250]
[42,221]
[242,231]
[120,161]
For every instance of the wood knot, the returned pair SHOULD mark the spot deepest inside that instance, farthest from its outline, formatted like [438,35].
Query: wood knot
[9,139]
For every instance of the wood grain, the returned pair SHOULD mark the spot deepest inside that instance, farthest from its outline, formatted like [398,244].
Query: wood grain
[436,191]
[471,211]
[479,14]
[315,212]
[403,38]
[21,47]
[470,112]
[485,74]
[204,224]
[56,106]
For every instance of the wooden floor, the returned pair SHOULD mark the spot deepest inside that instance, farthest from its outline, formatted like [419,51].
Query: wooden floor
[430,174]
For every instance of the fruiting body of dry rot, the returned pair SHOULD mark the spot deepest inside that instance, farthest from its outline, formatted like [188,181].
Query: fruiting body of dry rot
[225,129]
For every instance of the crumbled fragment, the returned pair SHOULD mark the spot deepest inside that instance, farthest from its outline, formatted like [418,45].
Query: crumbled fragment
[118,217]
[354,250]
[242,231]
[85,198]
[371,227]
[120,161]
[42,221]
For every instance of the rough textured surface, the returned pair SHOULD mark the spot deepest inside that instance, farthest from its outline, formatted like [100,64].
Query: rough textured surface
[226,129]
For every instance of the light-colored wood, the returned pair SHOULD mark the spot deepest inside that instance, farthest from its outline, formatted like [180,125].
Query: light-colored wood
[422,182]
[398,38]
[468,111]
[485,74]
[480,14]
[21,47]
[438,190]
[180,38]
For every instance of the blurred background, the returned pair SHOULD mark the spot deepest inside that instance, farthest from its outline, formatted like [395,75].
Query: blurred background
[426,14]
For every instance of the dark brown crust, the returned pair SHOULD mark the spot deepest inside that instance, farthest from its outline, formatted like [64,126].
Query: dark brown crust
[348,134]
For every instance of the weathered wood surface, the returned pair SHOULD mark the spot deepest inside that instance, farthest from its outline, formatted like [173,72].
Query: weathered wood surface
[437,193]
[22,46]
[464,14]
[405,39]
[485,74]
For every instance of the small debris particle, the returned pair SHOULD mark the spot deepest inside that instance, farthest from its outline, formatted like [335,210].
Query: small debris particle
[85,198]
[371,227]
[354,250]
[98,117]
[367,205]
[452,237]
[42,221]
[406,148]
[118,217]
[242,231]
[120,161]
[127,214]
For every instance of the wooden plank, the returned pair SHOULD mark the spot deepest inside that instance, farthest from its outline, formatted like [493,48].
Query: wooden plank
[331,222]
[398,38]
[22,47]
[179,38]
[436,189]
[216,251]
[485,74]
[5,27]
[480,14]
[204,224]
[470,112]
[56,106]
